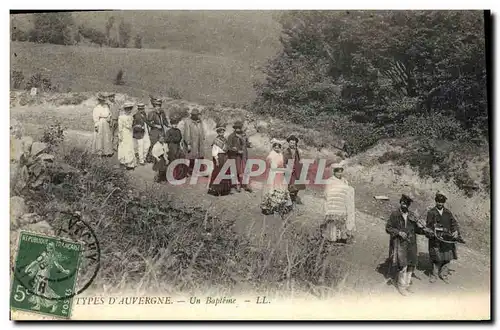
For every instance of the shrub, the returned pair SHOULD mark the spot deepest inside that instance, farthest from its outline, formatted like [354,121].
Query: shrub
[53,135]
[73,99]
[17,79]
[119,78]
[173,93]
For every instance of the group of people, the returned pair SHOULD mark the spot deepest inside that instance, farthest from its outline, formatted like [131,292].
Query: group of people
[139,137]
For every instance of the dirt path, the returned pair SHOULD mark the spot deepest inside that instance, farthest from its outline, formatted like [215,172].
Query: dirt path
[471,272]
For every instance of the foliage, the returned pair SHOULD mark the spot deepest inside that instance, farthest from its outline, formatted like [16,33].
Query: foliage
[119,78]
[173,93]
[16,34]
[53,28]
[16,79]
[125,33]
[109,26]
[379,68]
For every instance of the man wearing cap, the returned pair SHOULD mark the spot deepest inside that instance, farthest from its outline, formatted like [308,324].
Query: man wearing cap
[158,123]
[403,229]
[441,253]
[339,223]
[291,154]
[194,138]
[126,152]
[141,132]
[237,145]
[102,140]
[115,109]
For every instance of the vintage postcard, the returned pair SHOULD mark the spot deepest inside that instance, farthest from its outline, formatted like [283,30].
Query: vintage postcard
[250,165]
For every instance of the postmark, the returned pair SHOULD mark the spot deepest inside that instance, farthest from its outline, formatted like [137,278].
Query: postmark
[73,233]
[45,274]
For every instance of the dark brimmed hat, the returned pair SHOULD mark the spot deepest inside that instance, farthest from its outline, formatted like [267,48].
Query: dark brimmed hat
[406,199]
[111,95]
[101,97]
[440,198]
[238,124]
[195,111]
[292,138]
[175,119]
[220,128]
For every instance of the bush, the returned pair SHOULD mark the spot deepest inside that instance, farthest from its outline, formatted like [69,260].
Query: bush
[389,156]
[16,79]
[119,78]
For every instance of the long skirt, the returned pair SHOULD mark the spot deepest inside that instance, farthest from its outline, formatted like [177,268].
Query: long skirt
[102,140]
[126,152]
[334,228]
[160,167]
[224,186]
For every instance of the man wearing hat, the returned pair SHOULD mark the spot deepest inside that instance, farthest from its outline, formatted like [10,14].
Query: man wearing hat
[194,138]
[292,154]
[102,140]
[126,152]
[158,123]
[403,229]
[237,145]
[441,253]
[141,132]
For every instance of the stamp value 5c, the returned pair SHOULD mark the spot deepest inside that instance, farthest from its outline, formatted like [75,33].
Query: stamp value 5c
[45,275]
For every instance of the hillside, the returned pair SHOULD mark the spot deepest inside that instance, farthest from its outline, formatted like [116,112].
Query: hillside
[201,78]
[249,36]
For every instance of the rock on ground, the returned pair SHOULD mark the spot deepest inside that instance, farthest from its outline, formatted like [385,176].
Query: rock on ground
[17,209]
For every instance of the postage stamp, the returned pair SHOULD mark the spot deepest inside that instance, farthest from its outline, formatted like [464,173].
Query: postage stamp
[45,274]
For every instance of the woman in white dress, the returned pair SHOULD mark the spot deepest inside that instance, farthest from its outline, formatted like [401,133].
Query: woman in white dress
[102,141]
[275,188]
[126,152]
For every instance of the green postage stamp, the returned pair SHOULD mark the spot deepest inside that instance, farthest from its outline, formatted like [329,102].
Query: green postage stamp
[45,275]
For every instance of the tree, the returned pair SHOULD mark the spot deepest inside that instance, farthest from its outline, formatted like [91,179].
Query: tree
[94,35]
[125,33]
[138,41]
[54,28]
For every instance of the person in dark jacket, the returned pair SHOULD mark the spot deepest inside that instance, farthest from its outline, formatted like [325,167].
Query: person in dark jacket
[292,153]
[441,253]
[158,123]
[140,132]
[403,228]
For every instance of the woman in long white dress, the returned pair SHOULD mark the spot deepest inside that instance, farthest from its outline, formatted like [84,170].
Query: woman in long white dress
[126,152]
[102,141]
